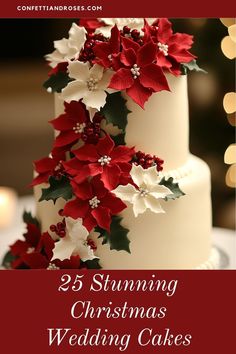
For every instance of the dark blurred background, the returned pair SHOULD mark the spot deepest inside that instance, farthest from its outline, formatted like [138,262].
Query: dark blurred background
[25,107]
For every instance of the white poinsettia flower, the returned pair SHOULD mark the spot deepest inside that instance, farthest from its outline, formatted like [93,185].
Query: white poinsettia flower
[132,23]
[68,49]
[89,84]
[74,243]
[148,191]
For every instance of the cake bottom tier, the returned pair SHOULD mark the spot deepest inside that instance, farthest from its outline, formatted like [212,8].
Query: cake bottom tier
[177,239]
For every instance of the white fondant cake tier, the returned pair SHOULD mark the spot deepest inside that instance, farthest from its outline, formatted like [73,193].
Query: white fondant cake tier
[178,239]
[162,127]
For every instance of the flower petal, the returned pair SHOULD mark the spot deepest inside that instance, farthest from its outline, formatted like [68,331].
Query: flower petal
[110,176]
[128,43]
[63,248]
[96,72]
[84,172]
[73,166]
[76,208]
[77,38]
[74,91]
[164,30]
[183,40]
[153,77]
[89,222]
[83,190]
[44,165]
[139,93]
[84,251]
[146,54]
[181,56]
[87,152]
[153,204]
[139,206]
[62,123]
[103,217]
[114,204]
[126,193]
[35,260]
[122,154]
[61,46]
[128,57]
[78,70]
[76,230]
[66,138]
[105,146]
[105,80]
[159,191]
[138,174]
[150,176]
[122,79]
[95,99]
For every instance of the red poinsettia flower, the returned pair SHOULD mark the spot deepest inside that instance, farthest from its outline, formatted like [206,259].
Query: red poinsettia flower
[139,76]
[91,23]
[106,51]
[41,258]
[28,245]
[36,252]
[94,204]
[102,159]
[172,48]
[49,166]
[75,124]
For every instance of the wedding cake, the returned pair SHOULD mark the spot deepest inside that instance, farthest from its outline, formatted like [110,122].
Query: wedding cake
[120,189]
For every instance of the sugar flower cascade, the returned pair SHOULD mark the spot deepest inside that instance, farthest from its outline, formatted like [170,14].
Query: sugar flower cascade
[90,165]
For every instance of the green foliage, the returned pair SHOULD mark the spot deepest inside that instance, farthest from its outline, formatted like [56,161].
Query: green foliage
[174,187]
[59,188]
[115,110]
[29,219]
[57,82]
[192,66]
[8,259]
[117,238]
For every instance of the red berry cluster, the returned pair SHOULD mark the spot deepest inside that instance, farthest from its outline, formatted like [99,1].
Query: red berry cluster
[91,244]
[91,133]
[134,34]
[60,227]
[87,53]
[148,160]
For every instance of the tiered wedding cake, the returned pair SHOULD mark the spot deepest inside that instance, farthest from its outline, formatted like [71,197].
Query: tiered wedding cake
[120,188]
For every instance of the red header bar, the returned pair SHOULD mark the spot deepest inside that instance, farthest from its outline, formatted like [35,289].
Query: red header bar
[111,8]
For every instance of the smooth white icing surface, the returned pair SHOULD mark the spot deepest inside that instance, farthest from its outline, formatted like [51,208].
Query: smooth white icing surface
[162,127]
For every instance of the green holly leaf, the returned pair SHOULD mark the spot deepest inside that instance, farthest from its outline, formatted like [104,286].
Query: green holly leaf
[117,238]
[115,110]
[57,82]
[8,259]
[59,188]
[29,219]
[92,264]
[174,187]
[119,139]
[192,66]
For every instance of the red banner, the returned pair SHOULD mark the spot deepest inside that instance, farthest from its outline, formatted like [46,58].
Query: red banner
[108,8]
[114,312]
